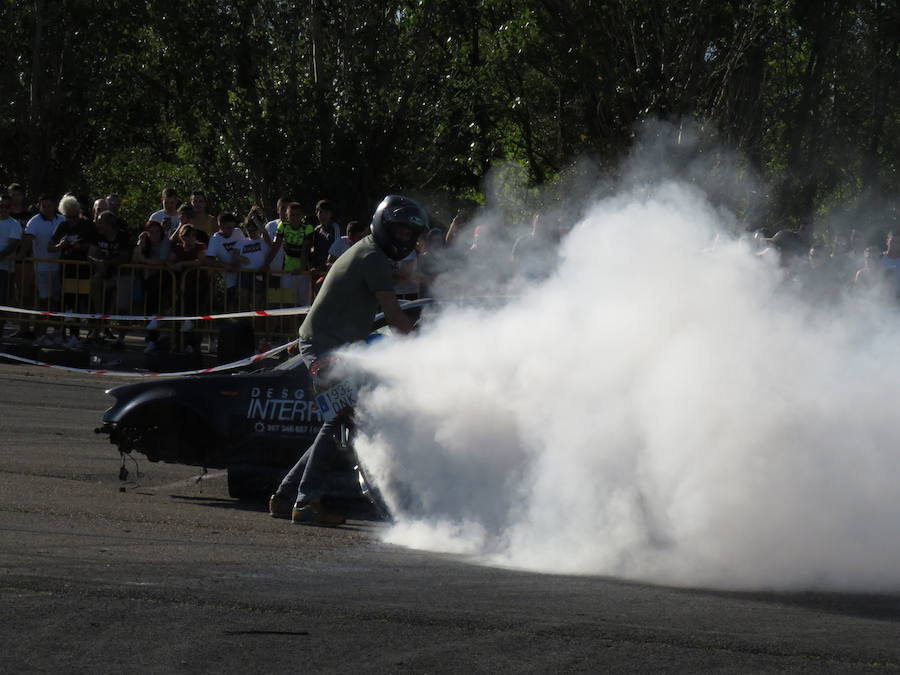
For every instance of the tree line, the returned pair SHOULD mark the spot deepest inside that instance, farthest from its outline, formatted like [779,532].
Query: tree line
[350,99]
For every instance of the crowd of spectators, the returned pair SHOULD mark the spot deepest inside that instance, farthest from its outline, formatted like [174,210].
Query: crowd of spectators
[183,259]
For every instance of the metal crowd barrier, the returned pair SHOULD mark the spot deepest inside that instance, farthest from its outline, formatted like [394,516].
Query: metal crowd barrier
[155,290]
[212,290]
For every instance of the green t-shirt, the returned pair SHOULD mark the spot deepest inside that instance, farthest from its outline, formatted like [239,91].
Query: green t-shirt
[295,258]
[343,310]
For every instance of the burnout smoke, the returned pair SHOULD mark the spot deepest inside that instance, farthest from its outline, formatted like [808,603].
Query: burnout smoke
[658,409]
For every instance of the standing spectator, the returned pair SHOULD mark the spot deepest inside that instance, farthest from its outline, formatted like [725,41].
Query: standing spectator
[327,232]
[108,249]
[152,249]
[186,252]
[534,254]
[890,262]
[18,209]
[219,253]
[871,274]
[36,242]
[168,216]
[100,205]
[72,238]
[193,284]
[295,237]
[843,262]
[186,216]
[431,262]
[113,203]
[10,236]
[355,232]
[203,221]
[271,228]
[457,225]
[22,276]
[406,282]
[251,256]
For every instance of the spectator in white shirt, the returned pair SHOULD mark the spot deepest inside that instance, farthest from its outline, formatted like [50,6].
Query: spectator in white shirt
[168,216]
[251,256]
[219,253]
[10,235]
[37,243]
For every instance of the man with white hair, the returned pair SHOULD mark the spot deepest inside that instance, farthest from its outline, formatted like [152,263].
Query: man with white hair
[72,238]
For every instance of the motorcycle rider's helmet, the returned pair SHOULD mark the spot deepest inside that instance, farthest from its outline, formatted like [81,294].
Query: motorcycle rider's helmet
[397,224]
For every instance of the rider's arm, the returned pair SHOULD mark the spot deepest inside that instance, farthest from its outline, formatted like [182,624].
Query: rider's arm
[395,316]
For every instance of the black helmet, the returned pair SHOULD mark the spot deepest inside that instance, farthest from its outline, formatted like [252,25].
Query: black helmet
[397,210]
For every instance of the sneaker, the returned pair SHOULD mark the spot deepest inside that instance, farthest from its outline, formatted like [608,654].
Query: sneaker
[73,343]
[280,507]
[150,348]
[44,341]
[313,513]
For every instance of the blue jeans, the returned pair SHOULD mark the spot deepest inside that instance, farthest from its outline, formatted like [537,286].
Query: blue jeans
[306,480]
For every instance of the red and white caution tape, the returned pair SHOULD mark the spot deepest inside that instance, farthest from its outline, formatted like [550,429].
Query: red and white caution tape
[125,373]
[281,311]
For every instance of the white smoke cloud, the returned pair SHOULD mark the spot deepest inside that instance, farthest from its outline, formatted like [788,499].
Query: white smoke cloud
[656,410]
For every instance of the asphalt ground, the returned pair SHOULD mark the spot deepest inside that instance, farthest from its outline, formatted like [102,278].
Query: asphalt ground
[171,575]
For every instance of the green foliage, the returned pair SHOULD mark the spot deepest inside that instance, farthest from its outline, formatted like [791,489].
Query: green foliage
[249,99]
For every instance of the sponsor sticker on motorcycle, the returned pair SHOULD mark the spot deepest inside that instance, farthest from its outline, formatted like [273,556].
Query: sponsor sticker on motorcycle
[337,399]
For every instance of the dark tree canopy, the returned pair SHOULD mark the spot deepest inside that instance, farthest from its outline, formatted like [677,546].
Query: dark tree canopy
[353,99]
